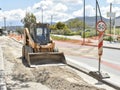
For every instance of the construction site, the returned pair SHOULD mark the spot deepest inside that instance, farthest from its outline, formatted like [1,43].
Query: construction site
[17,74]
[58,45]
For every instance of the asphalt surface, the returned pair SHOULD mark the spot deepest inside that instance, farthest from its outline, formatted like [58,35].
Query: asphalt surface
[87,65]
[110,61]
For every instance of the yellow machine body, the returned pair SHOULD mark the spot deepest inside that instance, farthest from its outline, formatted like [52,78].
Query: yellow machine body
[39,48]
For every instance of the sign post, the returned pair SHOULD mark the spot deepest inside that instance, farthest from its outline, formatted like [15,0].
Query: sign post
[100,27]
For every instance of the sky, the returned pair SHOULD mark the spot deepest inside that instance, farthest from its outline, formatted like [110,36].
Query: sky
[60,10]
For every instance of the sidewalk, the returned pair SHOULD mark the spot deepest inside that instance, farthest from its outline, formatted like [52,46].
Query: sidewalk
[88,41]
[113,81]
[93,42]
[113,45]
[87,69]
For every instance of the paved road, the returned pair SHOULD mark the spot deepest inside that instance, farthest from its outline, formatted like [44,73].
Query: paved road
[110,58]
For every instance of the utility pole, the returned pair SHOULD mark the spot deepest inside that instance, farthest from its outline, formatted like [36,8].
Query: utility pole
[5,23]
[41,12]
[110,20]
[51,19]
[96,18]
[84,23]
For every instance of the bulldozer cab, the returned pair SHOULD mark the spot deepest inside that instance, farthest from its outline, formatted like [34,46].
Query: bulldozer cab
[40,33]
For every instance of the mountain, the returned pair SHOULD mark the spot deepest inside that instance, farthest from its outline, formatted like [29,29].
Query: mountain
[14,28]
[91,20]
[117,21]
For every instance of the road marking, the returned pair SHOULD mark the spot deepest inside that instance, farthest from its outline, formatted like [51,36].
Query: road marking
[107,63]
[104,62]
[114,66]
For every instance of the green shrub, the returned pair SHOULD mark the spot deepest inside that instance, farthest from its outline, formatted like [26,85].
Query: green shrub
[87,34]
[58,38]
[108,38]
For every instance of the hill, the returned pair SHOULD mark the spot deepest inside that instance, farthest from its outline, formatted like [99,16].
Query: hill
[91,20]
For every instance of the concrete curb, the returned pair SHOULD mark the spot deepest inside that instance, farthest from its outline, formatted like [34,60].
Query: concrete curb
[2,73]
[111,47]
[82,67]
[103,46]
[87,44]
[1,60]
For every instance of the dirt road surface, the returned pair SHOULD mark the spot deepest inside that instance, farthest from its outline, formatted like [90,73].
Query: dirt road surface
[49,77]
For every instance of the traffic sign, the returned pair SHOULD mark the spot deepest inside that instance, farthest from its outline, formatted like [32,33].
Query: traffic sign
[101,26]
[112,14]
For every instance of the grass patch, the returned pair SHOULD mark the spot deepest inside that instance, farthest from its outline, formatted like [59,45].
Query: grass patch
[59,38]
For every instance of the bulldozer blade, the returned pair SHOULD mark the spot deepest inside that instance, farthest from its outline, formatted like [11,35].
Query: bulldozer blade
[45,58]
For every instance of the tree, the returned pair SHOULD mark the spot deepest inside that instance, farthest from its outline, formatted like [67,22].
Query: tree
[28,20]
[60,25]
[52,27]
[76,24]
[19,30]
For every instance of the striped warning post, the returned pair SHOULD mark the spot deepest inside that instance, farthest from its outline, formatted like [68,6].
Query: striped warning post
[100,43]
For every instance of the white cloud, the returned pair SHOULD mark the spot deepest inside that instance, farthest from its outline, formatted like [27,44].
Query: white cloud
[13,14]
[116,2]
[28,9]
[52,8]
[62,17]
[110,1]
[104,11]
[78,13]
[113,1]
[89,11]
[117,11]
[49,8]
[45,4]
[60,7]
[73,1]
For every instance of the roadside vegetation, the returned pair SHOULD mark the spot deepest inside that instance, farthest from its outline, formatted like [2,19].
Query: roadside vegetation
[75,27]
[59,38]
[69,28]
[72,27]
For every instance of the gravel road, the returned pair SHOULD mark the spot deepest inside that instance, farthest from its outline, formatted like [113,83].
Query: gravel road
[46,77]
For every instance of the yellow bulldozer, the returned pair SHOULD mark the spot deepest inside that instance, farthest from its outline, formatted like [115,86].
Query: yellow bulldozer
[39,48]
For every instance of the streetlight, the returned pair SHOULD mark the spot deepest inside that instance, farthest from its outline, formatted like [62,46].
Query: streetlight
[112,17]
[5,23]
[41,11]
[4,18]
[84,23]
[110,20]
[51,19]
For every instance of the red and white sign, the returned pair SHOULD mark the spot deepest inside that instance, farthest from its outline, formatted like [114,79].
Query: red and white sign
[101,26]
[100,44]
